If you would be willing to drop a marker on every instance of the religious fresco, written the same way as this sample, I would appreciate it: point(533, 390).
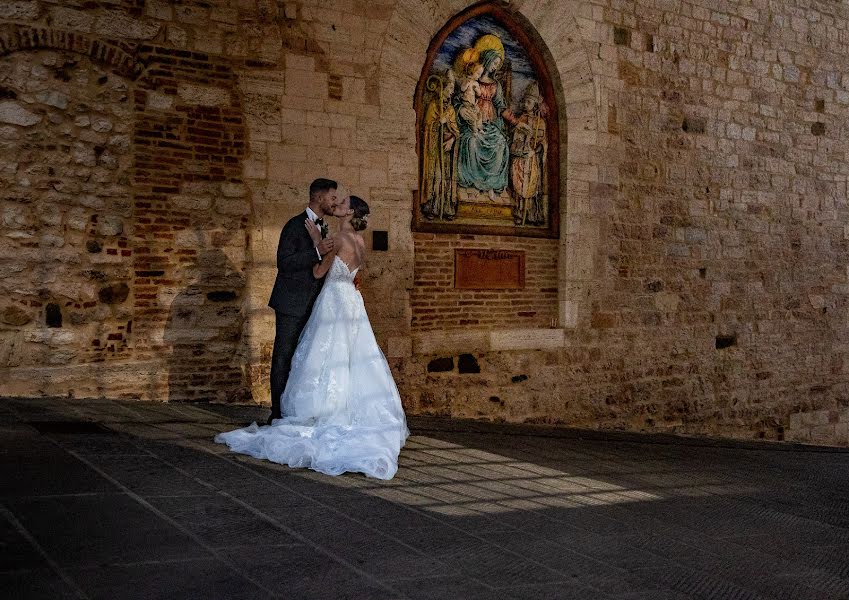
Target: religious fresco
point(487, 132)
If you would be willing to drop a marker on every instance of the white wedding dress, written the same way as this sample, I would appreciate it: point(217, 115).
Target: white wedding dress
point(342, 411)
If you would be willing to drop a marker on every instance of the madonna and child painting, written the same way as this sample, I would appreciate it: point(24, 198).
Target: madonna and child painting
point(487, 133)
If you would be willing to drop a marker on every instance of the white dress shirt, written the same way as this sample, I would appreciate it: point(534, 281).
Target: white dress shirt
point(313, 217)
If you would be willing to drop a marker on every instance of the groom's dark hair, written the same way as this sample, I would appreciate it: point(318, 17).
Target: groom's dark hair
point(321, 185)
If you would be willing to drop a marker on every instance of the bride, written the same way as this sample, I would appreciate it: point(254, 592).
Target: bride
point(341, 408)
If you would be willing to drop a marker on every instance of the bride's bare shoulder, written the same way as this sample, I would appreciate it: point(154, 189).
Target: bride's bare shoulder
point(345, 237)
point(354, 240)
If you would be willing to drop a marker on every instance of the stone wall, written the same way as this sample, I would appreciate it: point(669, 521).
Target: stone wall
point(153, 150)
point(67, 203)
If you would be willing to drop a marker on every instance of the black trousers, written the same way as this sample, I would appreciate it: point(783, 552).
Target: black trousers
point(287, 331)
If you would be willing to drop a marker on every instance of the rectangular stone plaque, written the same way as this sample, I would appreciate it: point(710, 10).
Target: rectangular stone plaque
point(489, 269)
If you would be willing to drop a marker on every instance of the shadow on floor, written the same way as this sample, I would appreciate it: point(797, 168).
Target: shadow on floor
point(139, 503)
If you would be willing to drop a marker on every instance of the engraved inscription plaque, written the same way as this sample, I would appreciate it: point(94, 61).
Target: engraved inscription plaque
point(489, 269)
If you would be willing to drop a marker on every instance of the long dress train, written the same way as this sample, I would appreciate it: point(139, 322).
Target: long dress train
point(342, 410)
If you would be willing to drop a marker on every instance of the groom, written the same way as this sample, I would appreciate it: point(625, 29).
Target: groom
point(295, 288)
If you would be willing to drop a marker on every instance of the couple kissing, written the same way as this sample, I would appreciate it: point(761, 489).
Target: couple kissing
point(335, 407)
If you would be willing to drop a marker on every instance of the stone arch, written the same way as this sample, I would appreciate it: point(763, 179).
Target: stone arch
point(408, 36)
point(15, 38)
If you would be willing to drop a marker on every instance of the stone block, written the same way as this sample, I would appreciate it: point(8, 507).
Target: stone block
point(400, 236)
point(119, 25)
point(399, 307)
point(568, 314)
point(823, 434)
point(8, 132)
point(306, 84)
point(841, 435)
point(526, 339)
point(159, 101)
point(15, 114)
point(17, 217)
point(667, 301)
point(302, 136)
point(264, 245)
point(260, 285)
point(159, 9)
point(53, 98)
point(399, 347)
point(815, 418)
point(255, 167)
point(300, 62)
point(354, 89)
point(337, 121)
point(110, 226)
point(373, 177)
point(290, 171)
point(19, 10)
point(450, 341)
point(228, 206)
point(50, 336)
point(211, 42)
point(203, 95)
point(176, 36)
point(233, 190)
point(191, 203)
point(379, 218)
point(795, 421)
point(350, 175)
point(15, 316)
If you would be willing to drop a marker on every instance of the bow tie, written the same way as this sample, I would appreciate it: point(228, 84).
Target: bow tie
point(319, 222)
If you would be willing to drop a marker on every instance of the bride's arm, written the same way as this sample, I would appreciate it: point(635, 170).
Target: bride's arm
point(361, 245)
point(319, 270)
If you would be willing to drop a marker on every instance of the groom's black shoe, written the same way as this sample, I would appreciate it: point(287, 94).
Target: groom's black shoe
point(271, 417)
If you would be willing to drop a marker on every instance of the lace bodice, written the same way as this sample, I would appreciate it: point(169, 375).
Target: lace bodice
point(339, 271)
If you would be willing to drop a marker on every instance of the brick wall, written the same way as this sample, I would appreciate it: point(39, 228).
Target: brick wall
point(190, 206)
point(437, 305)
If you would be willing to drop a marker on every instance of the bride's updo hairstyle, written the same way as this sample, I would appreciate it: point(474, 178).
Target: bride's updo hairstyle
point(361, 211)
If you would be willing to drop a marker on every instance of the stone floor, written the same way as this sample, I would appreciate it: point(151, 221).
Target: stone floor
point(103, 499)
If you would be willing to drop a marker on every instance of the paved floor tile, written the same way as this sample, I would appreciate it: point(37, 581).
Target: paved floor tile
point(97, 530)
point(455, 586)
point(16, 551)
point(301, 572)
point(36, 467)
point(37, 584)
point(148, 476)
point(220, 522)
point(118, 500)
point(206, 579)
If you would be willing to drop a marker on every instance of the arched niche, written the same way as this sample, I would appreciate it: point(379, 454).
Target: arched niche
point(487, 129)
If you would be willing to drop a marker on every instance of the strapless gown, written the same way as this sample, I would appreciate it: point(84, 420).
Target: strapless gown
point(341, 407)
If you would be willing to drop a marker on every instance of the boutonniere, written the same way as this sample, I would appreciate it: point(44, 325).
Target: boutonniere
point(324, 229)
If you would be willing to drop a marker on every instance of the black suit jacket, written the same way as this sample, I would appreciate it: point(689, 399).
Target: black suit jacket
point(295, 288)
